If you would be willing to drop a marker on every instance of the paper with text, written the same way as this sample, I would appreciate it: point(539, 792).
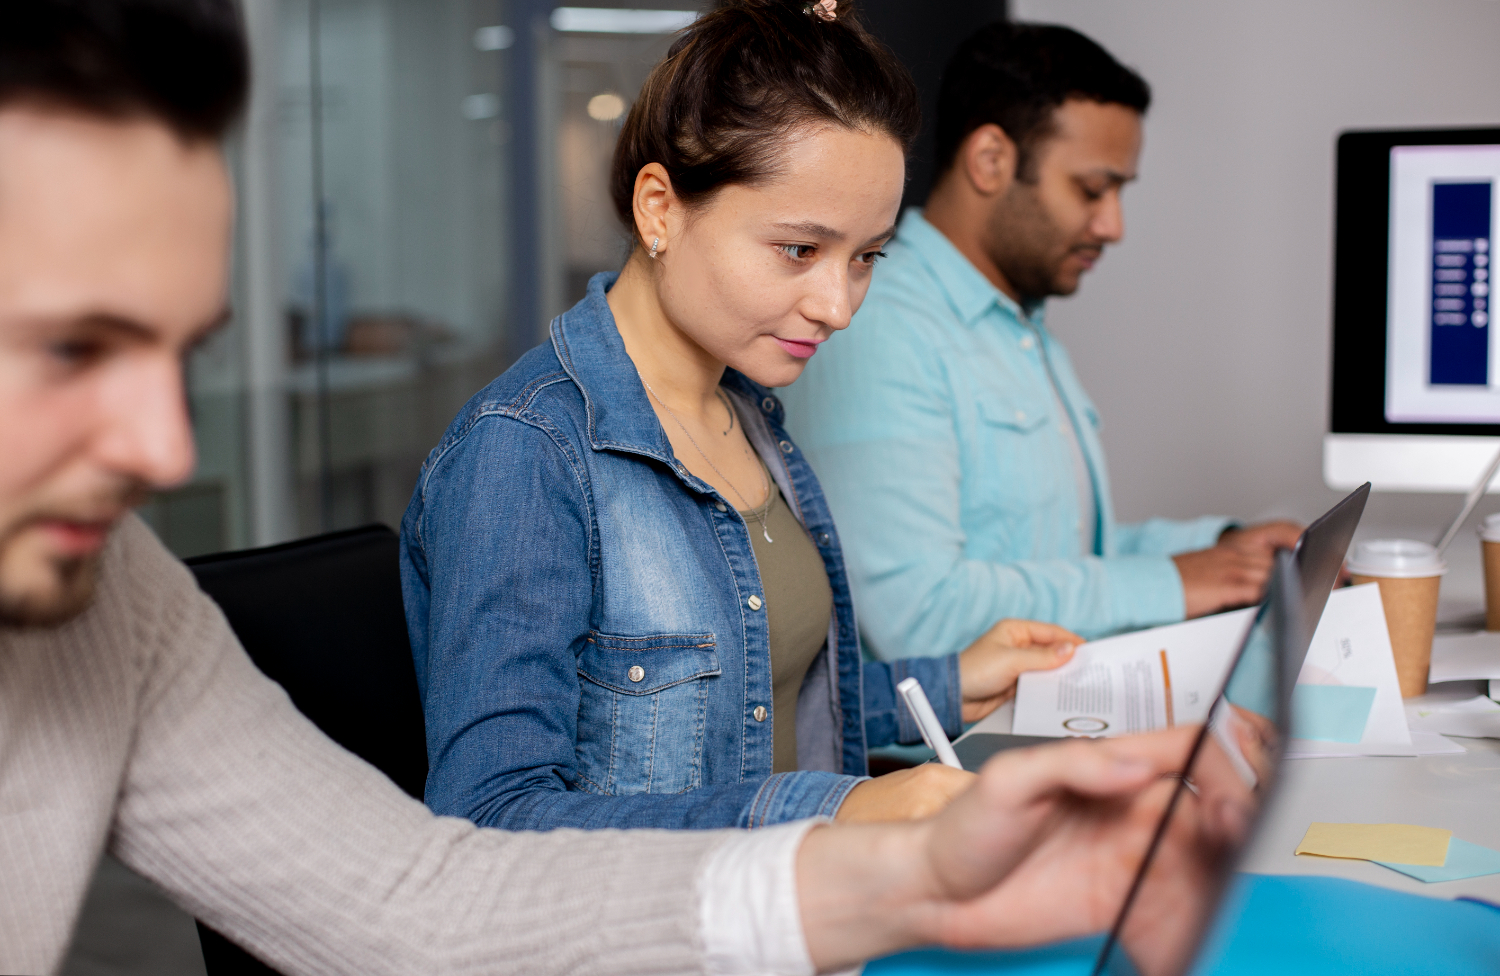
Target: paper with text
point(1151, 679)
point(1165, 676)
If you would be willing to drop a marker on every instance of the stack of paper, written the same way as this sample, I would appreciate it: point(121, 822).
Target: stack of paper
point(1473, 718)
point(1347, 701)
point(1465, 657)
point(1465, 860)
point(1428, 854)
point(1397, 843)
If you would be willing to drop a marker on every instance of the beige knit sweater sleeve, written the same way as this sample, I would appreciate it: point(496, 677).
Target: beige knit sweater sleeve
point(268, 831)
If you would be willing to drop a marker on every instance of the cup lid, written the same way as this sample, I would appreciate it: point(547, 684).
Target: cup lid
point(1489, 529)
point(1397, 559)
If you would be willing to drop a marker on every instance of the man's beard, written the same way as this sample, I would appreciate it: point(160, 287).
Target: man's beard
point(43, 589)
point(1027, 246)
point(69, 595)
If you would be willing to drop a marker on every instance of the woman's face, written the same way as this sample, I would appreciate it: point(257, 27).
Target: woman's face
point(762, 274)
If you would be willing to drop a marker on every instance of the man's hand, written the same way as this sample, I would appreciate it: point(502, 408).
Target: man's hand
point(989, 667)
point(1265, 538)
point(1043, 847)
point(1234, 572)
point(907, 794)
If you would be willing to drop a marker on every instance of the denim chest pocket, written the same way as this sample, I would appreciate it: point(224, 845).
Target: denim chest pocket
point(641, 711)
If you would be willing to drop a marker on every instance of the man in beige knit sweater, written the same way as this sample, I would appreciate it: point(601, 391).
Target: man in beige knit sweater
point(131, 720)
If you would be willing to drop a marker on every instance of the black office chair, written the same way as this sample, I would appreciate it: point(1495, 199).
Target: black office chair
point(323, 618)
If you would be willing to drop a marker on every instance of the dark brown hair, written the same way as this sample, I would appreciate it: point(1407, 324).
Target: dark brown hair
point(1015, 75)
point(184, 62)
point(719, 107)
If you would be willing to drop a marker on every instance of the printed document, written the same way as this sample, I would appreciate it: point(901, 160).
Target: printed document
point(1151, 679)
point(1349, 702)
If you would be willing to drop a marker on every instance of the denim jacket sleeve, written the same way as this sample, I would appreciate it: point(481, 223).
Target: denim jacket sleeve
point(497, 581)
point(887, 720)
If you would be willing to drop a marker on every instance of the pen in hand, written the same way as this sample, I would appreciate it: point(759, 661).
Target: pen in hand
point(927, 722)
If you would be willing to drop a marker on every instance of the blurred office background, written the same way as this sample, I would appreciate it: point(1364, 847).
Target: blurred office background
point(422, 188)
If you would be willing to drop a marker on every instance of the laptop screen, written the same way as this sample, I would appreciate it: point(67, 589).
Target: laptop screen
point(1217, 801)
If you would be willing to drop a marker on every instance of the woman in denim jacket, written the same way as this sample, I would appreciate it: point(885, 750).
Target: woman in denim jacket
point(595, 556)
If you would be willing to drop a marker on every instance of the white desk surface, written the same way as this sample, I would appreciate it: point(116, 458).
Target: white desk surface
point(1458, 792)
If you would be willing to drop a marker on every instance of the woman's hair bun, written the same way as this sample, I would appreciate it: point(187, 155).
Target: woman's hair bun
point(739, 80)
point(809, 8)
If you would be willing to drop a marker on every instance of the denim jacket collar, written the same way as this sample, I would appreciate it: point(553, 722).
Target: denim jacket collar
point(589, 346)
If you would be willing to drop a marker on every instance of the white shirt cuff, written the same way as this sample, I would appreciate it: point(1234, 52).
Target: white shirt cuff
point(751, 921)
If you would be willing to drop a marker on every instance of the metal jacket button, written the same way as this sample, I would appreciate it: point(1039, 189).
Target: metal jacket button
point(721, 506)
point(759, 713)
point(754, 602)
point(768, 404)
point(824, 538)
point(636, 672)
point(786, 447)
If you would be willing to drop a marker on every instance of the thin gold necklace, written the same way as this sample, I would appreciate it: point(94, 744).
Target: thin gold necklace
point(759, 516)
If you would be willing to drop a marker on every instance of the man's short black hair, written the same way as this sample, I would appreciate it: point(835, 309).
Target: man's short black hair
point(183, 62)
point(1015, 75)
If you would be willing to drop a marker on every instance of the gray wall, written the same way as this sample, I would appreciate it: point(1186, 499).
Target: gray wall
point(1204, 336)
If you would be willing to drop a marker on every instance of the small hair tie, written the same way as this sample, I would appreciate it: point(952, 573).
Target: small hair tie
point(824, 10)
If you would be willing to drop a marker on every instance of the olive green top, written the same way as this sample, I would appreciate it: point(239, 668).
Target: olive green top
point(799, 603)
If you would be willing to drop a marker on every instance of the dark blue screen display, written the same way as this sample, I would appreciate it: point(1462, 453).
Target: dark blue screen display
point(1460, 284)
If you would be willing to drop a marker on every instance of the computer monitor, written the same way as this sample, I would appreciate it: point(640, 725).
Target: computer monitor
point(1416, 352)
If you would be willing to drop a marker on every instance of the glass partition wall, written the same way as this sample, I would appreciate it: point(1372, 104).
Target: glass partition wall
point(422, 186)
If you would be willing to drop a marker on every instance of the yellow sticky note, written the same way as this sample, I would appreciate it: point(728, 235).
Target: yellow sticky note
point(1397, 843)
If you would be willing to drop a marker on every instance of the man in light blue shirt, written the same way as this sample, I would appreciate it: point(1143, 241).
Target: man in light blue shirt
point(959, 453)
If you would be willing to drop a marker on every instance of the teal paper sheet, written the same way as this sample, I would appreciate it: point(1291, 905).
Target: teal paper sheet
point(1465, 860)
point(1289, 926)
point(1331, 713)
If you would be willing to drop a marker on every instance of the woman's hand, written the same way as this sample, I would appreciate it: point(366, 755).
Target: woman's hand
point(907, 794)
point(989, 667)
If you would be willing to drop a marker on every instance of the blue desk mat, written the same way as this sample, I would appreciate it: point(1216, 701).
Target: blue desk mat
point(1288, 926)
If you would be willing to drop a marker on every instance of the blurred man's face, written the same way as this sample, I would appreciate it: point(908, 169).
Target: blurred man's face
point(113, 245)
point(1043, 234)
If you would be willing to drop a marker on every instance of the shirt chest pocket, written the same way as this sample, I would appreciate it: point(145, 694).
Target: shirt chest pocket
point(1020, 459)
point(641, 710)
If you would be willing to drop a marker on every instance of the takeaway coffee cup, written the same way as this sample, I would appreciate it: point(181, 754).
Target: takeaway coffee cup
point(1408, 574)
point(1489, 542)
